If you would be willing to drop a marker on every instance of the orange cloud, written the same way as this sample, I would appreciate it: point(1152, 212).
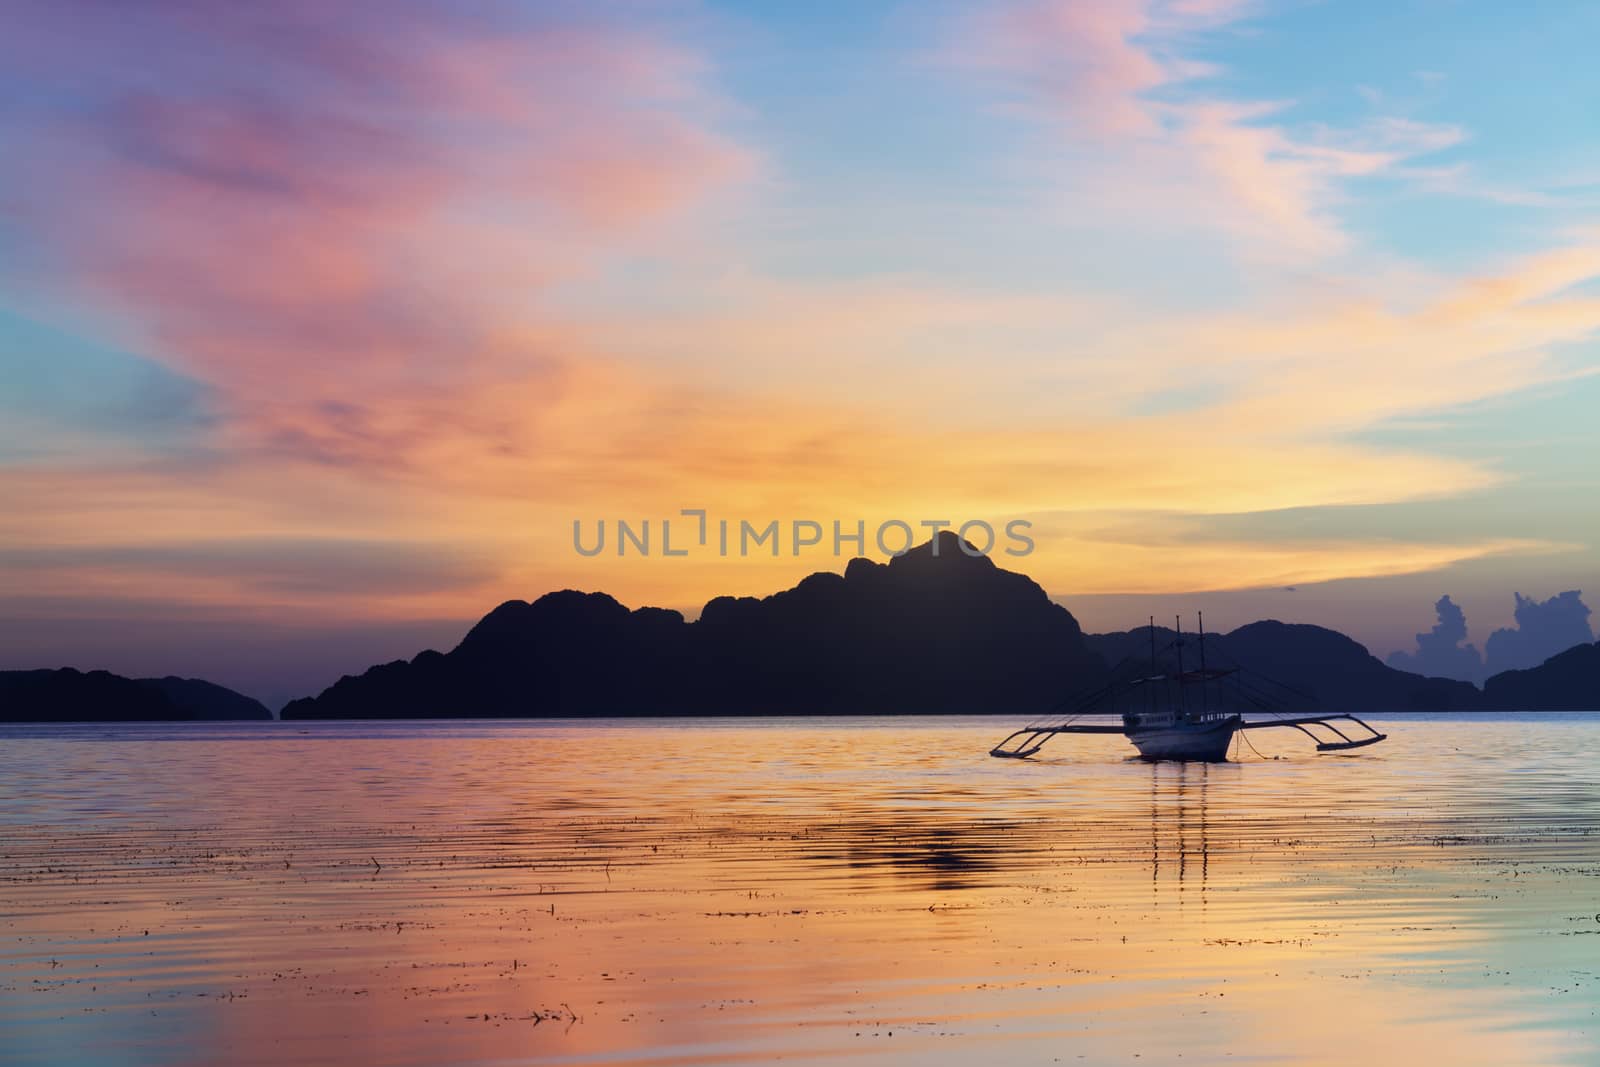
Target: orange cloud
point(504, 463)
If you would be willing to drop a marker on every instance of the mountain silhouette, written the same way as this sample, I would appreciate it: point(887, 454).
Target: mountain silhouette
point(1315, 668)
point(1567, 681)
point(932, 631)
point(1340, 673)
point(68, 695)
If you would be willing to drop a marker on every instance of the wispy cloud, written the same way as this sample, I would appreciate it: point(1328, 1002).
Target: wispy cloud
point(1159, 144)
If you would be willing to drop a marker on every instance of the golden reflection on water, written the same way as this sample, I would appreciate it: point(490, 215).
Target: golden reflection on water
point(713, 892)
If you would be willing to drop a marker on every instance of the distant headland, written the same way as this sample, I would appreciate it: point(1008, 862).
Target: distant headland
point(67, 695)
point(932, 631)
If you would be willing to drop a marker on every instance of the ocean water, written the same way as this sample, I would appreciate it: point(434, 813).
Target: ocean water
point(809, 890)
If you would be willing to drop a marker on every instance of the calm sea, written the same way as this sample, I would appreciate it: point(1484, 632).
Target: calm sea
point(810, 890)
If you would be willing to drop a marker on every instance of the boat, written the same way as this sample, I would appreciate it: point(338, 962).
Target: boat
point(1189, 715)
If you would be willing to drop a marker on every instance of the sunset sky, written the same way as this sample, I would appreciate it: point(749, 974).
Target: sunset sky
point(320, 324)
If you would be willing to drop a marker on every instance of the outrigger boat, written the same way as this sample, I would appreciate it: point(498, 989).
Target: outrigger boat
point(1188, 714)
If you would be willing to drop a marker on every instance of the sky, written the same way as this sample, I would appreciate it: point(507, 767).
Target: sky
point(321, 325)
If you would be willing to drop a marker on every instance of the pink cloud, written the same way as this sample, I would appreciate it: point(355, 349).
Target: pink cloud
point(1082, 57)
point(1160, 147)
point(301, 202)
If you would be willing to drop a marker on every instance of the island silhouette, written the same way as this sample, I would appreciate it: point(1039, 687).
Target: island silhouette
point(933, 631)
point(937, 630)
point(1567, 681)
point(68, 695)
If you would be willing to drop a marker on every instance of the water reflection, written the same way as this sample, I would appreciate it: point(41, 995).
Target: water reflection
point(735, 893)
point(939, 858)
point(1178, 798)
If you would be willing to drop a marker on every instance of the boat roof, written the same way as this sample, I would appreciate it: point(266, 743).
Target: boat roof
point(1206, 674)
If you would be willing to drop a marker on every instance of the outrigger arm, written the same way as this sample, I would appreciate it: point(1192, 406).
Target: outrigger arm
point(1034, 738)
point(1325, 721)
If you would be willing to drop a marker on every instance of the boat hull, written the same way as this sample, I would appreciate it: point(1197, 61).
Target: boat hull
point(1205, 742)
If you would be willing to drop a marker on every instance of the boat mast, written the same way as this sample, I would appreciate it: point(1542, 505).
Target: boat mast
point(1152, 682)
point(1177, 642)
point(1202, 619)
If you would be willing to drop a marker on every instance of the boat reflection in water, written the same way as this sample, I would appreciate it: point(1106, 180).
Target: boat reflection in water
point(1179, 836)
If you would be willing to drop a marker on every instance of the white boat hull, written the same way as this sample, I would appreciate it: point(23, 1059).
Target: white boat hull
point(1204, 741)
